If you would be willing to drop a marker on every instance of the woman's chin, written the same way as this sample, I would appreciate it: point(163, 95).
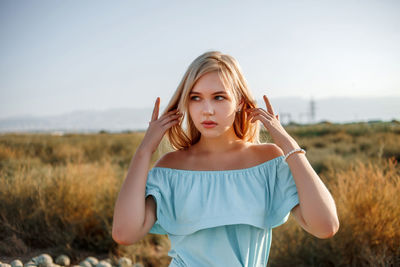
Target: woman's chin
point(209, 132)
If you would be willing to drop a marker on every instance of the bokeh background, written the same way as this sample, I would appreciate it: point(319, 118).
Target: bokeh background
point(79, 80)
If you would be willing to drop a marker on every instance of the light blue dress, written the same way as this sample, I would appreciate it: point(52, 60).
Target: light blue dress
point(222, 218)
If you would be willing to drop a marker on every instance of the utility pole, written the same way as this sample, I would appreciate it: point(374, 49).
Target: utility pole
point(312, 111)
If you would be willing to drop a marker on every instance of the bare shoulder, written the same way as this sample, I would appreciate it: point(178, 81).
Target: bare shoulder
point(267, 151)
point(169, 160)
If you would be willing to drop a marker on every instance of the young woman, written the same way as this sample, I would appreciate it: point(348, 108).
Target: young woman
point(220, 193)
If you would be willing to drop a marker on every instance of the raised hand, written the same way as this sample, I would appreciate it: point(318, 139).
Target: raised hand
point(270, 121)
point(158, 127)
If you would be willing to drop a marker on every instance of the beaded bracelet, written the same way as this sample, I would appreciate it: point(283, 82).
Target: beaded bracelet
point(293, 151)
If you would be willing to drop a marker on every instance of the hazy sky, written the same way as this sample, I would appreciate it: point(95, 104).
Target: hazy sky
point(59, 56)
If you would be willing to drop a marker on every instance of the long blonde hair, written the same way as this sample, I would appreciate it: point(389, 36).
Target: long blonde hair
point(232, 77)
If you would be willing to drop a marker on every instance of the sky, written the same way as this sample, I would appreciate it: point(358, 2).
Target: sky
point(61, 56)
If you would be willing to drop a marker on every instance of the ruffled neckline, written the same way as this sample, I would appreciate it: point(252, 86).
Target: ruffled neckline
point(219, 171)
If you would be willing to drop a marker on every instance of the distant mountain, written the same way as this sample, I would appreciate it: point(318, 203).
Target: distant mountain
point(335, 110)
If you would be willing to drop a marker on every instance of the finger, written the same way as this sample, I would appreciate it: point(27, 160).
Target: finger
point(260, 117)
point(166, 120)
point(269, 107)
point(172, 119)
point(255, 118)
point(260, 111)
point(155, 110)
point(171, 123)
point(169, 113)
point(264, 118)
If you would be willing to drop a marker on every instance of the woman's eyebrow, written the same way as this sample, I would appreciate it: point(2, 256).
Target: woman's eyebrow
point(216, 93)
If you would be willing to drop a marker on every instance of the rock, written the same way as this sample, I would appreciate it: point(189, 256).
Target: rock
point(85, 263)
point(63, 260)
point(108, 260)
point(92, 260)
point(43, 260)
point(16, 263)
point(124, 262)
point(103, 263)
point(138, 265)
point(30, 263)
point(5, 265)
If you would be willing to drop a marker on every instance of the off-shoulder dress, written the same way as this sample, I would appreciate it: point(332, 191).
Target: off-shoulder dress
point(222, 218)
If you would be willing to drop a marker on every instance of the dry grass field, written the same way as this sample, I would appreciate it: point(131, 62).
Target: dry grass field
point(57, 194)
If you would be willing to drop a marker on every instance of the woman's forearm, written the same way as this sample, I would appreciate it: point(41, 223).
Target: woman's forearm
point(129, 211)
point(317, 205)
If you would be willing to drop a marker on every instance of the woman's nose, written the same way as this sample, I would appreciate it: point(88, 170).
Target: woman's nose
point(208, 108)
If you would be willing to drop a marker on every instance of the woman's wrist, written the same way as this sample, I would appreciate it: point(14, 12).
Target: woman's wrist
point(142, 150)
point(289, 145)
point(297, 150)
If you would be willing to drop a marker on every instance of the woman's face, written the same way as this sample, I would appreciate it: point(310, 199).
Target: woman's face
point(209, 101)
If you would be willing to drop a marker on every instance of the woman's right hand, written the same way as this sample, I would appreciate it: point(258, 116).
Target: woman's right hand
point(158, 127)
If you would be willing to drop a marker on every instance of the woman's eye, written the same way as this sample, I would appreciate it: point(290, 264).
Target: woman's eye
point(193, 97)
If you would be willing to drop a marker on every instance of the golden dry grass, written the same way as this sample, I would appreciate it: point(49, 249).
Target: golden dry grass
point(59, 192)
point(67, 203)
point(367, 199)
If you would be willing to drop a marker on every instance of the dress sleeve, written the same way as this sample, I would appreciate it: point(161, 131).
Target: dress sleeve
point(152, 188)
point(283, 195)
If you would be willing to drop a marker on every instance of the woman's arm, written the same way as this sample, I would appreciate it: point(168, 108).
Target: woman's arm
point(131, 221)
point(129, 211)
point(316, 212)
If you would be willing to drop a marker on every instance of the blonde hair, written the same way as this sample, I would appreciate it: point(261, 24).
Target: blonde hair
point(231, 75)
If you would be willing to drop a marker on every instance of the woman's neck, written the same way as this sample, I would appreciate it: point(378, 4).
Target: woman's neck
point(211, 146)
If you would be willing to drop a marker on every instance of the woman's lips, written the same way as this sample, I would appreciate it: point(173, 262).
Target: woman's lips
point(209, 125)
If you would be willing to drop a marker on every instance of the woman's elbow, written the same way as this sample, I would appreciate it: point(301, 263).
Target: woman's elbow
point(330, 230)
point(121, 238)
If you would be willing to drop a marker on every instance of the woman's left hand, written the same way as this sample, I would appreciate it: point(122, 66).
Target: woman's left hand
point(271, 122)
